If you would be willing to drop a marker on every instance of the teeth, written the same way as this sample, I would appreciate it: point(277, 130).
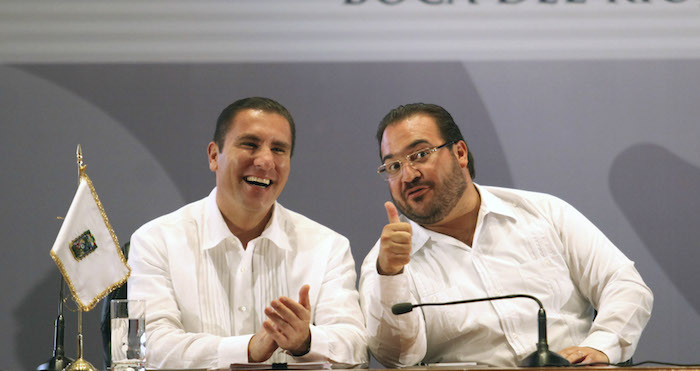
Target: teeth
point(258, 180)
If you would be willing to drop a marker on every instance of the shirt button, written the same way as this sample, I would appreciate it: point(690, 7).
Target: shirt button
point(243, 269)
point(242, 308)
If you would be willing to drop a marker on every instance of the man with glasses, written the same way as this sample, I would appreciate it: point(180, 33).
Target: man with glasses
point(236, 277)
point(459, 240)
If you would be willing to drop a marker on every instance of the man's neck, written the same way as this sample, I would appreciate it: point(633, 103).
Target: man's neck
point(246, 226)
point(461, 222)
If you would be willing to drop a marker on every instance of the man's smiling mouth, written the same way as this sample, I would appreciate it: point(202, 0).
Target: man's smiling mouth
point(260, 182)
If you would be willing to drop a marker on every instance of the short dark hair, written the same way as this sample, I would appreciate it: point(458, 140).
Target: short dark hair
point(446, 124)
point(223, 123)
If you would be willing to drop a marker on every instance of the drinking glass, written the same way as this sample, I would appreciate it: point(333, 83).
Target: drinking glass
point(128, 326)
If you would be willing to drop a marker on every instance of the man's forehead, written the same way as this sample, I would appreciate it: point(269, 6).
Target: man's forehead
point(258, 123)
point(415, 131)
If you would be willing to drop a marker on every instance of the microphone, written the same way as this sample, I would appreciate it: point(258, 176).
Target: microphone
point(59, 361)
point(542, 357)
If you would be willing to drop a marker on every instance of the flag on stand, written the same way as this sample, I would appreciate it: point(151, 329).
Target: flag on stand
point(87, 251)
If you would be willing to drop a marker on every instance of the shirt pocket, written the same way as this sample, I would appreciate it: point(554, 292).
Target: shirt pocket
point(546, 279)
point(446, 323)
point(443, 322)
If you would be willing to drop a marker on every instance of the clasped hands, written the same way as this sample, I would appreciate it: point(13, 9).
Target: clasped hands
point(286, 327)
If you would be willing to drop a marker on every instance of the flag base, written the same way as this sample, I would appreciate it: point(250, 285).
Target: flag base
point(81, 365)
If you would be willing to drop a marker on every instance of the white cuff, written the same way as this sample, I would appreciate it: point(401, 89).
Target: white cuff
point(605, 342)
point(233, 349)
point(318, 351)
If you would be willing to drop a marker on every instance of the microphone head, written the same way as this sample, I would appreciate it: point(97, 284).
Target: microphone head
point(401, 308)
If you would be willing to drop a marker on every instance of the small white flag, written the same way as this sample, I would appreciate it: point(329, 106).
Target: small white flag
point(87, 251)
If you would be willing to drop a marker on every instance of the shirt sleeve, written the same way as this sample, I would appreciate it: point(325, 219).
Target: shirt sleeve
point(610, 282)
point(169, 345)
point(395, 340)
point(337, 329)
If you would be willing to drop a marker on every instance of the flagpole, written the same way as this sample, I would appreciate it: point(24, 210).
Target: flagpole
point(80, 364)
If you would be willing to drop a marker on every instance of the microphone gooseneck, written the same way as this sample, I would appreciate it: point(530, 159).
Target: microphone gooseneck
point(542, 357)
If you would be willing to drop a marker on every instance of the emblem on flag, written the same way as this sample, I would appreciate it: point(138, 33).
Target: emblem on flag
point(83, 245)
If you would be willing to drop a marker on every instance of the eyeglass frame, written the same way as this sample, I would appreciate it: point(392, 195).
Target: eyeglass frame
point(381, 170)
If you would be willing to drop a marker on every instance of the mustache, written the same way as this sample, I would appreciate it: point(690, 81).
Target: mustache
point(417, 183)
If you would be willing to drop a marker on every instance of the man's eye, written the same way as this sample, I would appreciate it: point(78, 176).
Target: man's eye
point(249, 145)
point(419, 155)
point(279, 150)
point(393, 167)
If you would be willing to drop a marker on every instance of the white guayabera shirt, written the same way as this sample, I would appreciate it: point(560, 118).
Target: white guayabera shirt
point(206, 294)
point(524, 243)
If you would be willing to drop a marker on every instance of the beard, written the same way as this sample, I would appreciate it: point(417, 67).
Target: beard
point(446, 197)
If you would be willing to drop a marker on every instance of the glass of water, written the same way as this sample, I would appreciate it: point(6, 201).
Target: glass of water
point(128, 326)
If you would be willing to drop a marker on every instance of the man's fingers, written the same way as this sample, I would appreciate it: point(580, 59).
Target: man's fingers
point(273, 317)
point(400, 237)
point(273, 332)
point(575, 357)
point(391, 212)
point(398, 260)
point(304, 297)
point(287, 322)
point(395, 243)
point(584, 355)
point(295, 311)
point(283, 309)
point(572, 354)
point(279, 322)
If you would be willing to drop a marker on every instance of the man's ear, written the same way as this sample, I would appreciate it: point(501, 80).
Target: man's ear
point(213, 155)
point(462, 152)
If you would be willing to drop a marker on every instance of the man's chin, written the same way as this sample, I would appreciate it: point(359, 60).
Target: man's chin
point(413, 213)
point(417, 205)
point(260, 202)
point(420, 213)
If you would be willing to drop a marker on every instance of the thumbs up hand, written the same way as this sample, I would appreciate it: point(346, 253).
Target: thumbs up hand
point(394, 244)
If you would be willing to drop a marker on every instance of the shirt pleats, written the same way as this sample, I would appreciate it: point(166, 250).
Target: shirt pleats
point(270, 272)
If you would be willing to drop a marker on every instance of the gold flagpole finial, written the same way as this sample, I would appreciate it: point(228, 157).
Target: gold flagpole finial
point(81, 165)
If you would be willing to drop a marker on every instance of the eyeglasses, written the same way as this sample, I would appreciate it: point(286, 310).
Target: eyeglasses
point(391, 169)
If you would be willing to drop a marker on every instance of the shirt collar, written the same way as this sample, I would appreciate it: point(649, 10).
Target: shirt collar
point(419, 237)
point(275, 230)
point(215, 230)
point(213, 226)
point(489, 204)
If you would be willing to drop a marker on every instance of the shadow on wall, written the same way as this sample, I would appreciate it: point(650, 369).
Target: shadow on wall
point(668, 224)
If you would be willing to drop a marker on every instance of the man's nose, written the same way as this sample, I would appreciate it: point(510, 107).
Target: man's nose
point(264, 159)
point(408, 173)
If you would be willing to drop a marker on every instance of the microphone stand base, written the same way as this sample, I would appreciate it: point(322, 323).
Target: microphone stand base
point(55, 364)
point(544, 358)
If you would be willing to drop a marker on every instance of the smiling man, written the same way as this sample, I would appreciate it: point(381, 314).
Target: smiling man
point(219, 274)
point(459, 240)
